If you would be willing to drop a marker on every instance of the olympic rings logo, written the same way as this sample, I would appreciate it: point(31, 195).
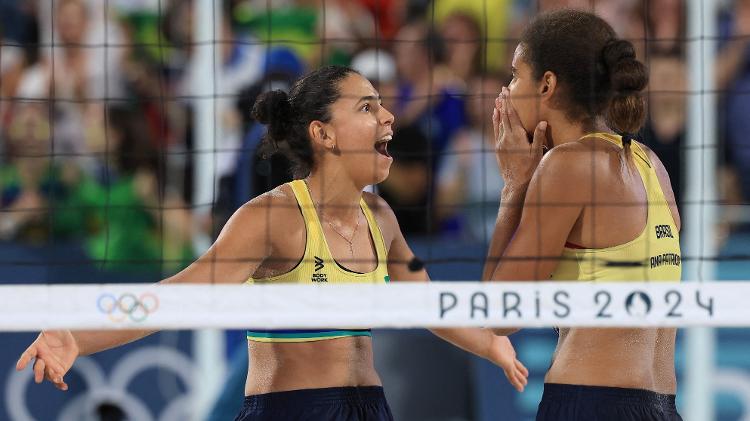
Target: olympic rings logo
point(127, 306)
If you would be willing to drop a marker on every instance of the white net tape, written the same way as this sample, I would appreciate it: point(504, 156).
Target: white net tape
point(399, 305)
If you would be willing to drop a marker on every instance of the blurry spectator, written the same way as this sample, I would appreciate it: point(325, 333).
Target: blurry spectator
point(26, 180)
point(130, 220)
point(125, 218)
point(242, 61)
point(153, 66)
point(733, 79)
point(344, 26)
point(77, 75)
point(665, 127)
point(463, 41)
point(654, 27)
point(14, 63)
point(407, 188)
point(627, 17)
point(492, 18)
point(469, 183)
point(428, 97)
point(658, 23)
point(667, 25)
point(19, 34)
point(146, 219)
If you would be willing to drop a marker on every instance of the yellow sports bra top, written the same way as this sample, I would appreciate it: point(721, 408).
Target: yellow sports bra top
point(654, 255)
point(318, 266)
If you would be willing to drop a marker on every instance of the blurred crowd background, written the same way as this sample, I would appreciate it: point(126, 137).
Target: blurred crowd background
point(98, 109)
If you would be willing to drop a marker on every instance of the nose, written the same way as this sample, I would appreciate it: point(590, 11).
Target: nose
point(386, 118)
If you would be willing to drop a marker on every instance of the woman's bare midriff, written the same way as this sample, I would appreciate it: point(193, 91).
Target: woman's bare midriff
point(277, 367)
point(630, 358)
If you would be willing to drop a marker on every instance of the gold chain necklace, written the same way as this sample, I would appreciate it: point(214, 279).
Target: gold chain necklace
point(349, 241)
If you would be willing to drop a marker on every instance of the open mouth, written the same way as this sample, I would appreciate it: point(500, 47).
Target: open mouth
point(382, 145)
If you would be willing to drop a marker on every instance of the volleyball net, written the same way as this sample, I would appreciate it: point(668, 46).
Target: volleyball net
point(128, 131)
point(127, 142)
point(135, 160)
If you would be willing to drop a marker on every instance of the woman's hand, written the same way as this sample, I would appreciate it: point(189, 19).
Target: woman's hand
point(503, 355)
point(517, 157)
point(54, 352)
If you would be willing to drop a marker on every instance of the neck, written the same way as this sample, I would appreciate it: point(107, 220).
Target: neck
point(335, 195)
point(561, 130)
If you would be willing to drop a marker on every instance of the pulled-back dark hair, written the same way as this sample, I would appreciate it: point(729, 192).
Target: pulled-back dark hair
point(288, 116)
point(598, 73)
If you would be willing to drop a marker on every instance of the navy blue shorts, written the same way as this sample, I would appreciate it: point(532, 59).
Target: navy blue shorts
point(365, 403)
point(562, 402)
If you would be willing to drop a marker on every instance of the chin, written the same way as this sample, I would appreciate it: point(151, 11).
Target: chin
point(378, 176)
point(382, 176)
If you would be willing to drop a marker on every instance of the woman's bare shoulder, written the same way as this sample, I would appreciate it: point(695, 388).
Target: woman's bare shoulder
point(277, 207)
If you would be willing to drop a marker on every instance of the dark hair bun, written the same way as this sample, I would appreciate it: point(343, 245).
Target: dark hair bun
point(627, 77)
point(627, 74)
point(273, 108)
point(288, 116)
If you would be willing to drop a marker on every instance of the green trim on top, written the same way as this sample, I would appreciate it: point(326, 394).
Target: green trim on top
point(308, 335)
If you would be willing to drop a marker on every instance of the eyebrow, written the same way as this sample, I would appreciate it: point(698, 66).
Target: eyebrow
point(369, 98)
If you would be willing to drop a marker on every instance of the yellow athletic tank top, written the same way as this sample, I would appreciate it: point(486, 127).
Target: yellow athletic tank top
point(652, 256)
point(318, 266)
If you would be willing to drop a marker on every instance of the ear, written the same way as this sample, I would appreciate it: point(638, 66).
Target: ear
point(547, 86)
point(321, 135)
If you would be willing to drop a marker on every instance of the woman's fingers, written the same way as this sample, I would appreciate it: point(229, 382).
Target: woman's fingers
point(27, 356)
point(504, 114)
point(511, 378)
point(518, 381)
point(515, 121)
point(39, 366)
point(57, 380)
point(524, 381)
point(516, 376)
point(496, 122)
point(54, 362)
point(522, 368)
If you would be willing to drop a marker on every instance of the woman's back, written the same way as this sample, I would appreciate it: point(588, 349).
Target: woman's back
point(630, 222)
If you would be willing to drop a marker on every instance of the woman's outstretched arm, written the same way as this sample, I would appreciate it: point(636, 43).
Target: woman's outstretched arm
point(238, 251)
point(403, 266)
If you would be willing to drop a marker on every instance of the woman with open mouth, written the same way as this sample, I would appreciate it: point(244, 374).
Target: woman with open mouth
point(319, 228)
